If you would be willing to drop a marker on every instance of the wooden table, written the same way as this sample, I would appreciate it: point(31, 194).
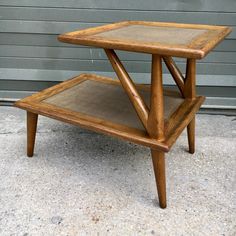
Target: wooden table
point(149, 115)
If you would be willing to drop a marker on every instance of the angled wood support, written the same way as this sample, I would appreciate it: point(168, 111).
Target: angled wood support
point(190, 93)
point(175, 72)
point(128, 85)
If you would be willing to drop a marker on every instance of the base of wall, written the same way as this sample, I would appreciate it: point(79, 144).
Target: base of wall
point(212, 105)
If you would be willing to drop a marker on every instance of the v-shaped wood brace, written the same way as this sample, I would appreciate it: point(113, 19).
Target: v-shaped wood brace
point(185, 84)
point(153, 119)
point(129, 87)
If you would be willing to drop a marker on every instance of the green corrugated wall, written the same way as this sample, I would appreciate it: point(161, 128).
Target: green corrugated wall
point(31, 58)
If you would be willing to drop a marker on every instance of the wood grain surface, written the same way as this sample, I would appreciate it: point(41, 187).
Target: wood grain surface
point(36, 104)
point(173, 39)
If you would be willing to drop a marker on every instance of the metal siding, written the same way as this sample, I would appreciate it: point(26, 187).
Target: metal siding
point(31, 58)
point(169, 5)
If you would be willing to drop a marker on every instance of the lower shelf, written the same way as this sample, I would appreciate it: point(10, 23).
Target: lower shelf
point(100, 104)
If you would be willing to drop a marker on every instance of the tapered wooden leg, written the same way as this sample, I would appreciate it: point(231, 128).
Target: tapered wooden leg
point(191, 136)
point(155, 127)
point(190, 93)
point(32, 120)
point(158, 159)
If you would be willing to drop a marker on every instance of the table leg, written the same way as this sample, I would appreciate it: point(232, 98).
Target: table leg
point(158, 160)
point(190, 93)
point(32, 120)
point(191, 136)
point(156, 127)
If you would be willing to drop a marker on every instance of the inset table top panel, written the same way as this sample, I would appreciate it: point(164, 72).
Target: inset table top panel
point(153, 34)
point(183, 40)
point(107, 101)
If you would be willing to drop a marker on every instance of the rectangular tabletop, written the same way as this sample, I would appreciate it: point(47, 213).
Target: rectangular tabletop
point(182, 40)
point(100, 104)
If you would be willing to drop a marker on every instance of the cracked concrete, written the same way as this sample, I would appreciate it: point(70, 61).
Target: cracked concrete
point(83, 183)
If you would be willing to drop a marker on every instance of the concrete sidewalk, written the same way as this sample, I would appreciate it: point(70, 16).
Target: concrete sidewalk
point(83, 183)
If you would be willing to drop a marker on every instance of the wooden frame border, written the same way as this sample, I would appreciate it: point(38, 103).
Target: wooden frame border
point(197, 48)
point(35, 105)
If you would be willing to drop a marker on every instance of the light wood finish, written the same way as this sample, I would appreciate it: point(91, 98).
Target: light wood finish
point(158, 160)
point(190, 93)
point(176, 73)
point(37, 103)
point(77, 101)
point(190, 81)
point(155, 126)
point(32, 120)
point(181, 118)
point(128, 85)
point(156, 116)
point(191, 135)
point(187, 88)
point(169, 39)
point(97, 99)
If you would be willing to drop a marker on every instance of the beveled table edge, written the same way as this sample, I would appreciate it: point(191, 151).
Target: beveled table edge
point(85, 37)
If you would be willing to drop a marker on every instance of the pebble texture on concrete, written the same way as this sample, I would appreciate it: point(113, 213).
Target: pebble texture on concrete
point(83, 183)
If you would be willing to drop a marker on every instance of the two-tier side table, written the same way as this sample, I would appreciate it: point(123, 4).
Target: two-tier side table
point(144, 114)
